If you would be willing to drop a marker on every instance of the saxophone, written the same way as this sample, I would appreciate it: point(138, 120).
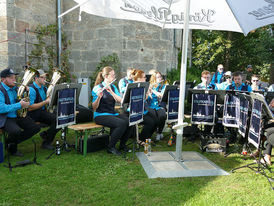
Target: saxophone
point(21, 93)
point(56, 76)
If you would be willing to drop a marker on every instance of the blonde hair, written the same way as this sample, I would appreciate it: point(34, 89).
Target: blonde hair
point(153, 81)
point(152, 71)
point(102, 74)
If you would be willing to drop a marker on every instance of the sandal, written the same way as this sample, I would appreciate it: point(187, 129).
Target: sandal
point(141, 143)
point(255, 154)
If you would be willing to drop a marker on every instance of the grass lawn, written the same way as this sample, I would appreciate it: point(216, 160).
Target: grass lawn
point(104, 179)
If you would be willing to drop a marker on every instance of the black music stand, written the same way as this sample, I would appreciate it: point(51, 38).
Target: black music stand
point(126, 100)
point(54, 102)
point(258, 166)
point(24, 162)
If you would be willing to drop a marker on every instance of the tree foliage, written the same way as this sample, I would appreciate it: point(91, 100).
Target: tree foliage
point(234, 50)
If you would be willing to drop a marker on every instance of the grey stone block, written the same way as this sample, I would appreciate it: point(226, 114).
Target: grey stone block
point(129, 56)
point(129, 31)
point(80, 66)
point(78, 45)
point(89, 56)
point(146, 56)
point(116, 44)
point(97, 44)
point(160, 55)
point(75, 54)
point(88, 35)
point(107, 33)
point(156, 44)
point(133, 44)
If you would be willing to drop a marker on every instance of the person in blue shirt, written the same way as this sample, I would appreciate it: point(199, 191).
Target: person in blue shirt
point(18, 128)
point(205, 84)
point(237, 83)
point(157, 87)
point(37, 109)
point(217, 78)
point(255, 83)
point(126, 80)
point(149, 118)
point(104, 96)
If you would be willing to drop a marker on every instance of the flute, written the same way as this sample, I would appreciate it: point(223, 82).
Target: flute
point(107, 85)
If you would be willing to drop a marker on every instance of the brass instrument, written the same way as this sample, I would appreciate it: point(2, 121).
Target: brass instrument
point(56, 76)
point(21, 93)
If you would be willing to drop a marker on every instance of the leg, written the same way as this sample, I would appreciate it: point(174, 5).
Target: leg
point(149, 126)
point(29, 128)
point(49, 119)
point(13, 131)
point(161, 115)
point(117, 125)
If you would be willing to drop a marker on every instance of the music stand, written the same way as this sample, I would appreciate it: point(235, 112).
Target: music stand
point(126, 99)
point(72, 117)
point(266, 115)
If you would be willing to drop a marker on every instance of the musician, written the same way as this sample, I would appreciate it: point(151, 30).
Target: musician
point(237, 83)
point(217, 78)
point(126, 80)
point(18, 128)
point(205, 84)
point(255, 83)
point(105, 94)
point(149, 118)
point(157, 87)
point(227, 82)
point(37, 109)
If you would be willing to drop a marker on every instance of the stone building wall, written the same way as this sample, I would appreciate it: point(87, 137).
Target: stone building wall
point(15, 17)
point(137, 44)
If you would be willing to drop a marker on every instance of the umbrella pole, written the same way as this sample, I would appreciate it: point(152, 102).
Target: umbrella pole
point(181, 124)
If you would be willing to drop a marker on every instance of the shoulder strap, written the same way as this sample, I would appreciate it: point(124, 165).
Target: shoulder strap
point(4, 91)
point(216, 74)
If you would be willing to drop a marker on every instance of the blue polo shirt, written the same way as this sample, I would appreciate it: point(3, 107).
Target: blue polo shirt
point(32, 94)
point(11, 108)
point(153, 102)
point(219, 78)
point(122, 84)
point(94, 97)
point(240, 88)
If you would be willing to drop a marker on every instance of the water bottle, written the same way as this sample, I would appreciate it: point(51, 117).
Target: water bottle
point(149, 147)
point(58, 149)
point(170, 141)
point(146, 147)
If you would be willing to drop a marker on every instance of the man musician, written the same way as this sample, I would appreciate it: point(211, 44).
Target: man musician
point(37, 109)
point(18, 128)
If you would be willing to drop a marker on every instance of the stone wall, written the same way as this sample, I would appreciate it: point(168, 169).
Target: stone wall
point(15, 17)
point(137, 44)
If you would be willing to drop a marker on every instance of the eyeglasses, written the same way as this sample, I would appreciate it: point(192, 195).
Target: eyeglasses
point(228, 77)
point(255, 80)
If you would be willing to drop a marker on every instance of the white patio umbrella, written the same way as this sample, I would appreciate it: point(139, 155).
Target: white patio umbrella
point(227, 15)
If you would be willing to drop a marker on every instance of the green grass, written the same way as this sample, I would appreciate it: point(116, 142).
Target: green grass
point(103, 179)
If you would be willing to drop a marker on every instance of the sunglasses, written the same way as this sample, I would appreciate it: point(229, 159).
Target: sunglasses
point(255, 80)
point(228, 77)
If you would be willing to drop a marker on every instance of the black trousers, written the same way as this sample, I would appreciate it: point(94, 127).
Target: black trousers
point(160, 115)
point(269, 131)
point(50, 120)
point(119, 128)
point(149, 125)
point(19, 130)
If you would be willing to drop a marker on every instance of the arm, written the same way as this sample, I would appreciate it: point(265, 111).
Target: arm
point(96, 97)
point(115, 93)
point(34, 106)
point(6, 108)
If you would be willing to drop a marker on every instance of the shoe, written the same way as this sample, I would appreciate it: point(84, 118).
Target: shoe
point(161, 136)
point(47, 146)
point(158, 137)
point(113, 150)
point(17, 154)
point(255, 154)
point(124, 148)
point(141, 143)
point(43, 135)
point(266, 160)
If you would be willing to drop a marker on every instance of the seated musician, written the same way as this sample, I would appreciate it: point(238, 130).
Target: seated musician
point(105, 94)
point(237, 83)
point(205, 84)
point(18, 128)
point(126, 80)
point(255, 83)
point(227, 82)
point(157, 87)
point(37, 109)
point(149, 118)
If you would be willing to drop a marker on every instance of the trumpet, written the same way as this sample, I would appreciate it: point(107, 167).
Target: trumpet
point(21, 93)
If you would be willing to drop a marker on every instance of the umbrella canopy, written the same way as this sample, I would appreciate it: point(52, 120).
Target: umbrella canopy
point(227, 15)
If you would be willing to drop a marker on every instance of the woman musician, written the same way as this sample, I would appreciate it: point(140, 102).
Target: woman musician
point(105, 94)
point(156, 88)
point(149, 124)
